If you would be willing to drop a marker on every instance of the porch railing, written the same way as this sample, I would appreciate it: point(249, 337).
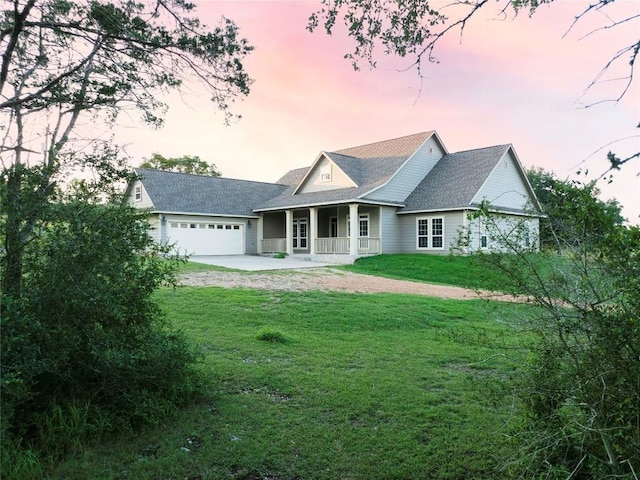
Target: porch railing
point(332, 245)
point(274, 245)
point(368, 245)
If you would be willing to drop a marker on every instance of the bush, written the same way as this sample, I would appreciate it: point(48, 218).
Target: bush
point(85, 348)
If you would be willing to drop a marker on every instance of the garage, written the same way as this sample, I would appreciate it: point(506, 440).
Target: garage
point(207, 238)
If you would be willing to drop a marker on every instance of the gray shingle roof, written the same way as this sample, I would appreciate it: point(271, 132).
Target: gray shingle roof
point(181, 192)
point(455, 179)
point(293, 177)
point(368, 166)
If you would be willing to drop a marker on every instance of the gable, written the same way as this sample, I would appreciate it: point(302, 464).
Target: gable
point(507, 186)
point(324, 175)
point(137, 195)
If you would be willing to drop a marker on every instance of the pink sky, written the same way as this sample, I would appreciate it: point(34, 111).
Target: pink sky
point(514, 81)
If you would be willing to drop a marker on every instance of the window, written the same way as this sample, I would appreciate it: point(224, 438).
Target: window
point(364, 225)
point(236, 227)
point(138, 193)
point(430, 233)
point(219, 227)
point(227, 227)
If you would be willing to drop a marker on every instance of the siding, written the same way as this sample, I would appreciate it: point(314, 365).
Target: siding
point(145, 202)
point(390, 237)
point(314, 183)
point(505, 186)
point(453, 223)
point(398, 188)
point(505, 223)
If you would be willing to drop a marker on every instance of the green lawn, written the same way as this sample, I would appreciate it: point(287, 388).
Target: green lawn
point(463, 271)
point(331, 386)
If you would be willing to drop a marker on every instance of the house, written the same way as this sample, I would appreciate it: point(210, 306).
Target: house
point(406, 195)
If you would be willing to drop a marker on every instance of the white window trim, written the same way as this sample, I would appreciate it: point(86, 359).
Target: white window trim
point(364, 216)
point(430, 233)
point(137, 193)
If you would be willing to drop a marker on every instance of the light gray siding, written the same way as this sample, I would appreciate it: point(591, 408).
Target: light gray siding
point(494, 228)
point(505, 187)
point(411, 173)
point(453, 224)
point(144, 202)
point(390, 227)
point(315, 182)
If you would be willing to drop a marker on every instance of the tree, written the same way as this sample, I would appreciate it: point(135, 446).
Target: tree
point(414, 28)
point(81, 335)
point(581, 391)
point(184, 164)
point(562, 202)
point(63, 61)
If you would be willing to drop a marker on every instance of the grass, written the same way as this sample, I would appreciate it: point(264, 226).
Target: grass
point(362, 387)
point(462, 271)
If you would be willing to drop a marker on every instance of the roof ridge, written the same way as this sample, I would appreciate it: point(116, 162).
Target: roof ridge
point(506, 145)
point(381, 141)
point(219, 177)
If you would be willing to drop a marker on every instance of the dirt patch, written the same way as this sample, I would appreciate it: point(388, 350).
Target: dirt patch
point(331, 279)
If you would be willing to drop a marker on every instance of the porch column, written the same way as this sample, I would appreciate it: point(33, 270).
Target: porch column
point(313, 228)
point(259, 225)
point(288, 228)
point(353, 226)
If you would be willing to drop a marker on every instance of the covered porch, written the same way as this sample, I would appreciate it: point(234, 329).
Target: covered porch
point(352, 230)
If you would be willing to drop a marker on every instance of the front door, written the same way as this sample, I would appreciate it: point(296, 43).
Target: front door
point(300, 233)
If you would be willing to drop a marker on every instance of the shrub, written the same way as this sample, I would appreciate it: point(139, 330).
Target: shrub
point(271, 335)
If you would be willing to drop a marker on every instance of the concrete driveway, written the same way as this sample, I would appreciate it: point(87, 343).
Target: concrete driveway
point(255, 262)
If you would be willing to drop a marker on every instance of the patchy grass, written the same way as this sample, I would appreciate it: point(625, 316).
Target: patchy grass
point(365, 387)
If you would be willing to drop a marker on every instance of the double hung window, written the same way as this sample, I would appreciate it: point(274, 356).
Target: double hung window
point(430, 233)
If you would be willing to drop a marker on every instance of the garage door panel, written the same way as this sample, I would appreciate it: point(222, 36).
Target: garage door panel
point(207, 238)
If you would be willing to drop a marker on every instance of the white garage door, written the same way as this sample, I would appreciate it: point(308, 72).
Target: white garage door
point(207, 238)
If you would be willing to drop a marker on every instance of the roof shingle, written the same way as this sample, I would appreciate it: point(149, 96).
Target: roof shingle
point(182, 192)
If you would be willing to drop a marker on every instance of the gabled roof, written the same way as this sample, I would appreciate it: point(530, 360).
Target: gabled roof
point(199, 194)
point(369, 166)
point(455, 180)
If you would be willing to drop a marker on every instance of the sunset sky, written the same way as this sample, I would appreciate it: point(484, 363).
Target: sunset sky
point(507, 80)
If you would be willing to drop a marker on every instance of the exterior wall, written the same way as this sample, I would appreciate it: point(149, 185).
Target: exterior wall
point(315, 183)
point(453, 223)
point(144, 202)
point(411, 173)
point(390, 232)
point(479, 228)
point(505, 187)
point(273, 225)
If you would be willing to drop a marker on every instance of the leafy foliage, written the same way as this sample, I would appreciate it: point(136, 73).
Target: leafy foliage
point(89, 332)
point(184, 164)
point(413, 29)
point(572, 208)
point(582, 391)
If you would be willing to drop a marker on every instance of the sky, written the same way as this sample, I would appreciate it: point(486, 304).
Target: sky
point(516, 80)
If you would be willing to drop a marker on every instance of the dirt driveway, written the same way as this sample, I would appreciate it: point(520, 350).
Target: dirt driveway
point(331, 279)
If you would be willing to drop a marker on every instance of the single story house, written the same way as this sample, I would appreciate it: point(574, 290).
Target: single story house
point(405, 195)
